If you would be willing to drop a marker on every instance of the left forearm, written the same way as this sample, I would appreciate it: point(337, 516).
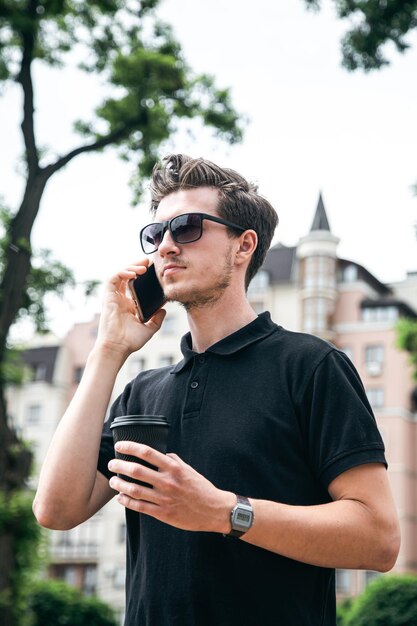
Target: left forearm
point(358, 529)
point(340, 534)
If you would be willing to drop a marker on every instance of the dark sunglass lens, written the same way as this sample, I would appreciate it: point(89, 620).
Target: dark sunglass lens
point(186, 228)
point(151, 237)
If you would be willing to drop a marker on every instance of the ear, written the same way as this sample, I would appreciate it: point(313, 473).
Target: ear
point(248, 242)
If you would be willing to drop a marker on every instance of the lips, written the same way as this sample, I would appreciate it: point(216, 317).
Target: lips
point(171, 268)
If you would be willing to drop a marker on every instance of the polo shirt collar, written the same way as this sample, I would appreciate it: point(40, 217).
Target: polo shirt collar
point(258, 329)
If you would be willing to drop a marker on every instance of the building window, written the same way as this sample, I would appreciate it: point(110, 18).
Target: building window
point(316, 314)
point(70, 575)
point(135, 366)
point(168, 325)
point(343, 580)
point(65, 538)
point(33, 414)
point(375, 397)
point(119, 577)
point(39, 372)
point(90, 580)
point(319, 272)
point(349, 274)
point(260, 282)
point(374, 359)
point(380, 314)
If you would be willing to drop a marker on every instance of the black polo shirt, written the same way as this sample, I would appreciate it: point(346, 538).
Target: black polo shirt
point(265, 413)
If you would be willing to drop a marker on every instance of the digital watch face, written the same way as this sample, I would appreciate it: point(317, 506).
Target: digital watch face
point(147, 293)
point(242, 519)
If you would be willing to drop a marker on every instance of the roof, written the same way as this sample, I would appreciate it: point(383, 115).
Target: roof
point(42, 356)
point(279, 263)
point(320, 221)
point(367, 277)
point(403, 307)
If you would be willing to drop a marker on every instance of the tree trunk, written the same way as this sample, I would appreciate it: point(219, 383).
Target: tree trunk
point(18, 255)
point(8, 565)
point(15, 458)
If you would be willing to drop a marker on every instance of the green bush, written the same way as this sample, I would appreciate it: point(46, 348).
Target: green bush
point(388, 601)
point(343, 609)
point(54, 603)
point(20, 538)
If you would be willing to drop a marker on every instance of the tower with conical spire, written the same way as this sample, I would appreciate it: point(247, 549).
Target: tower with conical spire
point(317, 254)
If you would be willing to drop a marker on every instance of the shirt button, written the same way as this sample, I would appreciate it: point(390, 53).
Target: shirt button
point(194, 384)
point(201, 359)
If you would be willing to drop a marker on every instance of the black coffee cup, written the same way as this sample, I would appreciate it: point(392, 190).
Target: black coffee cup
point(151, 430)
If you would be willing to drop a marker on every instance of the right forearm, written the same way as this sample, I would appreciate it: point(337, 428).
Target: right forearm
point(69, 472)
point(70, 488)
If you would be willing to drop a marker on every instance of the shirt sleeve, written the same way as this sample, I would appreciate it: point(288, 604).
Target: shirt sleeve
point(340, 426)
point(106, 453)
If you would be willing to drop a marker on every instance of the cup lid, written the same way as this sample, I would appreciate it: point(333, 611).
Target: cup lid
point(139, 420)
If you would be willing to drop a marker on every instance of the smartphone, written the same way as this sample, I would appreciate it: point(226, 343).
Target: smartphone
point(147, 293)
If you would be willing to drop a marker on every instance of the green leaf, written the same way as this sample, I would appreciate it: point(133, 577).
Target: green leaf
point(387, 601)
point(406, 331)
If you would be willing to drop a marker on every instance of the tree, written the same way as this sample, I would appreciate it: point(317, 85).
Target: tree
point(407, 340)
point(387, 601)
point(342, 610)
point(150, 88)
point(19, 525)
point(406, 331)
point(374, 24)
point(52, 602)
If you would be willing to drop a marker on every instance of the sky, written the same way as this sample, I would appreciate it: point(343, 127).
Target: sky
point(312, 127)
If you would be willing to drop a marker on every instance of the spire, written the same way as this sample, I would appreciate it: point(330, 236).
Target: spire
point(320, 221)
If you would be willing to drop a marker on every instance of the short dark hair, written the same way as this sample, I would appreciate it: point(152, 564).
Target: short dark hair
point(239, 200)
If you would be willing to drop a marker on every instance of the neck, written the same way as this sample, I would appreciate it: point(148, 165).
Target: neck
point(213, 322)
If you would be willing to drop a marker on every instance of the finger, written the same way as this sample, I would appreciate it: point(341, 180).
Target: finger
point(144, 452)
point(134, 490)
point(140, 506)
point(129, 272)
point(144, 262)
point(140, 267)
point(134, 470)
point(121, 277)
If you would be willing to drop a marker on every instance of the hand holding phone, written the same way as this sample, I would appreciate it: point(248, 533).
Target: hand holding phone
point(147, 293)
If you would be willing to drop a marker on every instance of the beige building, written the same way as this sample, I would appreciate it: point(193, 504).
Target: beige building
point(306, 287)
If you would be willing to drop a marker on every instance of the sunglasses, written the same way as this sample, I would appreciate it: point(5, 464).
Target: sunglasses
point(184, 228)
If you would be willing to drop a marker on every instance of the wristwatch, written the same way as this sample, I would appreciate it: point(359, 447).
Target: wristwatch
point(241, 517)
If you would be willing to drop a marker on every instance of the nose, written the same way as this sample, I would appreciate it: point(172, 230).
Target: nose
point(168, 245)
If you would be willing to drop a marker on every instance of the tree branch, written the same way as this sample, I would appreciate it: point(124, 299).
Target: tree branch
point(25, 79)
point(111, 138)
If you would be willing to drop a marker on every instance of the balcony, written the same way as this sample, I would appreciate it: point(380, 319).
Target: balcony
point(78, 544)
point(80, 551)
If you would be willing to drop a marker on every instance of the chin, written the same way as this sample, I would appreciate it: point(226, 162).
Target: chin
point(175, 294)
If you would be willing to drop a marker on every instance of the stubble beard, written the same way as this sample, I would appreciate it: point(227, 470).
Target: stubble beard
point(199, 299)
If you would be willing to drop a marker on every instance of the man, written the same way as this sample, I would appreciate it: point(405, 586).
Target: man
point(275, 472)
